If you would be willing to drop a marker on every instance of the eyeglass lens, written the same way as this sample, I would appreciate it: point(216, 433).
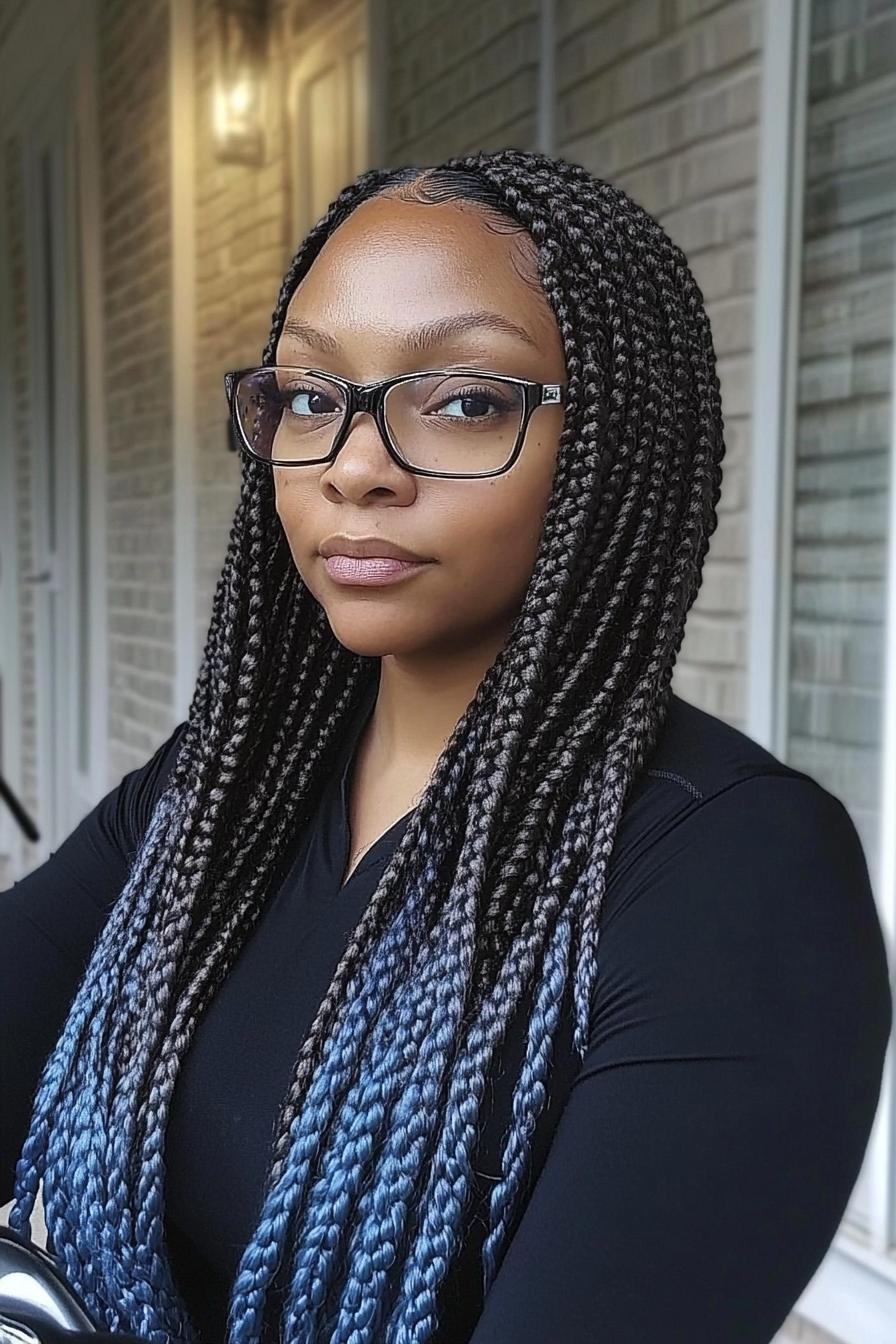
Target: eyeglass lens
point(450, 423)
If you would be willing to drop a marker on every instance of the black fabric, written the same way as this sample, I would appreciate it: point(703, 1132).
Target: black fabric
point(687, 1179)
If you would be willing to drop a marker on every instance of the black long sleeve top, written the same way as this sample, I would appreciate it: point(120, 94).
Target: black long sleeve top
point(687, 1178)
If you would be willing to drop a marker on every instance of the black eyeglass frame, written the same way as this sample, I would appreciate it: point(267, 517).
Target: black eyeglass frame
point(371, 397)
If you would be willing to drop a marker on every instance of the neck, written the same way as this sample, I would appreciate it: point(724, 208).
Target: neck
point(418, 704)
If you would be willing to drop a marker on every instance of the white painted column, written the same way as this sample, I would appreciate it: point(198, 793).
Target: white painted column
point(545, 112)
point(775, 326)
point(182, 140)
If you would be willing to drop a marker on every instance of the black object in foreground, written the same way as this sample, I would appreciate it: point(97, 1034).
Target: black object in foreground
point(22, 819)
point(37, 1304)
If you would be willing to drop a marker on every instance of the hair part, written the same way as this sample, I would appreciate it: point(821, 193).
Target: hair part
point(437, 185)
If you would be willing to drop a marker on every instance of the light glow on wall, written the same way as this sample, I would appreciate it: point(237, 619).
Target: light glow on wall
point(239, 85)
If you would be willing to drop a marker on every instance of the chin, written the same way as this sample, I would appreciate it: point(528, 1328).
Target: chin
point(375, 636)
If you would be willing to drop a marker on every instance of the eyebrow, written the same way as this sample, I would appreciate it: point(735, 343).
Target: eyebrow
point(417, 340)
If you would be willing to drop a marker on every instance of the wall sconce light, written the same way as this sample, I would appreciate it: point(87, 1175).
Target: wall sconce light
point(239, 80)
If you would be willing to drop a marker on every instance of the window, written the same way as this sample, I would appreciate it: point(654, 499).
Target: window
point(823, 682)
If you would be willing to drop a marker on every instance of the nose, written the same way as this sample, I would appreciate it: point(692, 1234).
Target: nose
point(351, 425)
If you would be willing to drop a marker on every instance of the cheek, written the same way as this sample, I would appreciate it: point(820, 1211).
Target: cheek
point(498, 537)
point(516, 513)
point(290, 498)
point(291, 503)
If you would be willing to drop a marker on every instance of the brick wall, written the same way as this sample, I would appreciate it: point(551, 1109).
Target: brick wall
point(662, 99)
point(461, 76)
point(242, 250)
point(136, 210)
point(9, 13)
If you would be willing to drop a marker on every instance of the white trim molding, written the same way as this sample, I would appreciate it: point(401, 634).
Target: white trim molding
point(778, 235)
point(882, 1146)
point(852, 1295)
point(546, 93)
point(182, 146)
point(92, 295)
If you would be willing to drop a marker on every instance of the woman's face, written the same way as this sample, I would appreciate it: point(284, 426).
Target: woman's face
point(394, 266)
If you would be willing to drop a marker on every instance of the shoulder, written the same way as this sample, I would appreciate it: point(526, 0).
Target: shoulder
point(125, 811)
point(703, 754)
point(64, 899)
point(738, 905)
point(705, 773)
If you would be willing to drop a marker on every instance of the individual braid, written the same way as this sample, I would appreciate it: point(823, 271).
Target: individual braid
point(492, 898)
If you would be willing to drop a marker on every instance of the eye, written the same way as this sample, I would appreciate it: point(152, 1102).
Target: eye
point(309, 401)
point(474, 404)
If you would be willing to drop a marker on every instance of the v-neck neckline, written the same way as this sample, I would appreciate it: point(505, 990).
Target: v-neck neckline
point(377, 852)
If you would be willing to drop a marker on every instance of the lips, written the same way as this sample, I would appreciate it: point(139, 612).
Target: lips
point(369, 548)
point(370, 571)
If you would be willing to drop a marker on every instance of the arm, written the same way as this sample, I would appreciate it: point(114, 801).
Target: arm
point(49, 921)
point(717, 1127)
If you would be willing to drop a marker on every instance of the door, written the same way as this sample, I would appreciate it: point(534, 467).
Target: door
point(328, 112)
point(58, 442)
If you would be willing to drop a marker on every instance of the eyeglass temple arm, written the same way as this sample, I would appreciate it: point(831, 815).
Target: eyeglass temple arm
point(230, 381)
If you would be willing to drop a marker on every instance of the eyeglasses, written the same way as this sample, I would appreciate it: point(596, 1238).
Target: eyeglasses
point(461, 422)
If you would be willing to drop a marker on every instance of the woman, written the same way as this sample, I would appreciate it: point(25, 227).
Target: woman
point(492, 991)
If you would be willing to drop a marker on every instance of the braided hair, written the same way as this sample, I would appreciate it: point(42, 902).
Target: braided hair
point(491, 900)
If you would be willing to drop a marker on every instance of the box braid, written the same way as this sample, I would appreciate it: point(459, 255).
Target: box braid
point(491, 900)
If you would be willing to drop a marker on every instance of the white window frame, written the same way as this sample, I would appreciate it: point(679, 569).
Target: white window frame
point(853, 1293)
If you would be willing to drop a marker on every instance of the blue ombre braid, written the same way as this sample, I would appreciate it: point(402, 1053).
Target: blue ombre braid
point(410, 1042)
point(336, 1071)
point(491, 900)
point(450, 1176)
point(422, 1028)
point(364, 1006)
point(98, 1267)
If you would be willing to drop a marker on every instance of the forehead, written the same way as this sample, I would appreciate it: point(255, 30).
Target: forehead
point(394, 264)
